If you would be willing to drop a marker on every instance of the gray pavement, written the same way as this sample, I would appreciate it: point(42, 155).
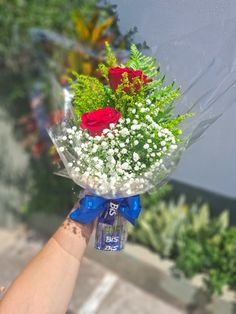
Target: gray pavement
point(97, 289)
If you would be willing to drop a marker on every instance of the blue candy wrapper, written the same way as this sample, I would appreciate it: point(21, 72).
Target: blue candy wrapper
point(111, 237)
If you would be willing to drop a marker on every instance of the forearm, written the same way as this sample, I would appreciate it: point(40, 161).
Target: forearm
point(47, 282)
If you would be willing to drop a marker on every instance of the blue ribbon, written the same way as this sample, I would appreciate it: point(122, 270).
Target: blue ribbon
point(92, 206)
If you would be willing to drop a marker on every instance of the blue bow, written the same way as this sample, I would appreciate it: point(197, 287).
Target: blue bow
point(92, 206)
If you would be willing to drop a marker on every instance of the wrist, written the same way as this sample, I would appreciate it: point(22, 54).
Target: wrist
point(73, 237)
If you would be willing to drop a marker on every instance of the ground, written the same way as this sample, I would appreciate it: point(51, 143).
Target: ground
point(97, 289)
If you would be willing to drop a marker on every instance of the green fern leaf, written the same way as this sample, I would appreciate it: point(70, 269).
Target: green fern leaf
point(140, 62)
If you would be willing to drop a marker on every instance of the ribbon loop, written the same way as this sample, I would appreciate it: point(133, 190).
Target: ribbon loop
point(92, 206)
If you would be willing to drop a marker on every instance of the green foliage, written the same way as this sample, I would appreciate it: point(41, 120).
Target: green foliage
point(169, 225)
point(110, 56)
point(49, 193)
point(191, 257)
point(103, 69)
point(138, 61)
point(110, 61)
point(162, 224)
point(187, 234)
point(125, 102)
point(18, 16)
point(163, 96)
point(85, 100)
point(210, 249)
point(21, 68)
point(24, 62)
point(152, 197)
point(131, 95)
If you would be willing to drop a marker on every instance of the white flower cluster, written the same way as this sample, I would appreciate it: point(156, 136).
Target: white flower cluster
point(123, 158)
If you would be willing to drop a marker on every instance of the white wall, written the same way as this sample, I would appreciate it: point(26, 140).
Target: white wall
point(204, 28)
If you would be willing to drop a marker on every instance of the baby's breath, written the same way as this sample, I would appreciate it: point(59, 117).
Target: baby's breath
point(130, 152)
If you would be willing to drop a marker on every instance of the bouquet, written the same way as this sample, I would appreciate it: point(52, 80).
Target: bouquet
point(119, 138)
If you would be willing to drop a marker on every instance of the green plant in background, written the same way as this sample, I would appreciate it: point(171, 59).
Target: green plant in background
point(151, 198)
point(187, 234)
point(20, 67)
point(223, 269)
point(160, 226)
point(46, 193)
point(23, 64)
point(146, 231)
point(92, 33)
point(81, 47)
point(198, 236)
point(19, 60)
point(210, 249)
point(18, 16)
point(163, 224)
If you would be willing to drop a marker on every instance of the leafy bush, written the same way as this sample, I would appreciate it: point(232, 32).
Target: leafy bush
point(187, 234)
point(162, 224)
point(18, 16)
point(23, 66)
point(210, 250)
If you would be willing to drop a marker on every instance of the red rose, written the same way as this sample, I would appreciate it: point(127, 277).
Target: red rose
point(115, 76)
point(98, 120)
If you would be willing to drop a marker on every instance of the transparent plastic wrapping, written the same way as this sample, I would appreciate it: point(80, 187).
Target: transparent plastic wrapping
point(109, 187)
point(203, 63)
point(208, 90)
point(206, 94)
